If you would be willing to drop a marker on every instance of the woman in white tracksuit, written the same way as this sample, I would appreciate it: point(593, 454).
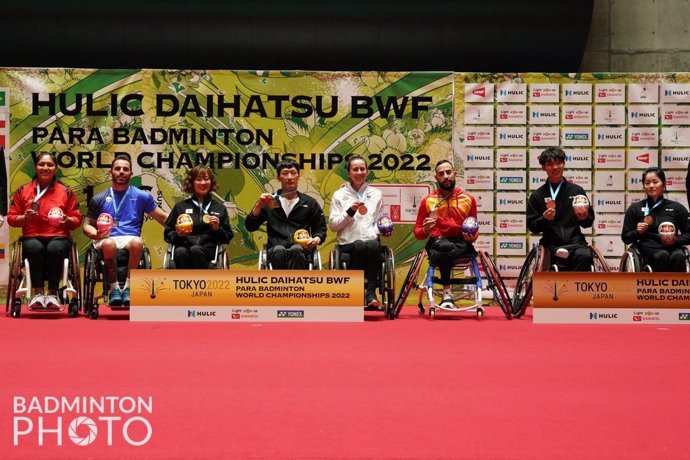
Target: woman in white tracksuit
point(355, 208)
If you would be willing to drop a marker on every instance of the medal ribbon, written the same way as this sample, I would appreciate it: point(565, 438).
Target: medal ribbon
point(39, 192)
point(646, 209)
point(554, 193)
point(116, 206)
point(203, 210)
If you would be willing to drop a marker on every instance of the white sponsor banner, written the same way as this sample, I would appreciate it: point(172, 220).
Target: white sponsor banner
point(675, 180)
point(578, 158)
point(611, 316)
point(675, 92)
point(486, 223)
point(511, 179)
point(577, 115)
point(485, 200)
point(674, 114)
point(634, 197)
point(608, 202)
point(641, 93)
point(534, 158)
point(543, 114)
point(479, 179)
point(609, 92)
point(609, 180)
point(509, 267)
point(479, 135)
point(609, 137)
point(479, 92)
point(609, 158)
point(477, 157)
point(263, 314)
point(511, 223)
point(642, 158)
point(640, 136)
point(643, 114)
point(581, 178)
point(609, 245)
point(512, 115)
point(577, 92)
point(680, 197)
point(511, 135)
point(537, 177)
point(484, 243)
point(675, 136)
point(544, 92)
point(511, 201)
point(511, 158)
point(511, 245)
point(576, 136)
point(608, 224)
point(545, 136)
point(401, 200)
point(675, 158)
point(511, 92)
point(609, 115)
point(479, 114)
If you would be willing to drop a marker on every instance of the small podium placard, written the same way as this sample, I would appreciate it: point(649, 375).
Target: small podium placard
point(624, 298)
point(247, 295)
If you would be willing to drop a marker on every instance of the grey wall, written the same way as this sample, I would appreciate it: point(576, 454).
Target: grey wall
point(638, 36)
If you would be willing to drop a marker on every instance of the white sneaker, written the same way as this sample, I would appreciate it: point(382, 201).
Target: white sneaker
point(38, 301)
point(51, 301)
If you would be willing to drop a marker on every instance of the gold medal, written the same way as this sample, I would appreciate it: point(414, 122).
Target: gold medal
point(206, 219)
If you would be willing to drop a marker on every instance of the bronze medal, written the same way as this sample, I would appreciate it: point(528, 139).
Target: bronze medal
point(649, 220)
point(550, 204)
point(362, 209)
point(35, 206)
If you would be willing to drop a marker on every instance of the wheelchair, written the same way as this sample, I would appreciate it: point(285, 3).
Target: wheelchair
point(313, 260)
point(19, 283)
point(633, 261)
point(539, 260)
point(385, 285)
point(95, 273)
point(220, 260)
point(466, 272)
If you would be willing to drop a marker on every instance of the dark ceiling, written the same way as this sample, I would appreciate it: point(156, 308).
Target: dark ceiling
point(478, 36)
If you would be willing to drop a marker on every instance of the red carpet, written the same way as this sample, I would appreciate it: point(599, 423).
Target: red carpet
point(410, 388)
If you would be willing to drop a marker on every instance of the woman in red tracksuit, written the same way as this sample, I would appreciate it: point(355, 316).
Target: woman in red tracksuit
point(45, 243)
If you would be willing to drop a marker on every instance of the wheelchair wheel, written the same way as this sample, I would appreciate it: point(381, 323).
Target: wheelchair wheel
point(410, 281)
point(630, 262)
point(76, 278)
point(523, 288)
point(16, 308)
point(73, 309)
point(90, 279)
point(599, 262)
point(687, 259)
point(14, 277)
point(388, 275)
point(496, 284)
point(93, 312)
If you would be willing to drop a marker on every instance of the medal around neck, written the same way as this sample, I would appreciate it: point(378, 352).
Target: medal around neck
point(550, 204)
point(649, 220)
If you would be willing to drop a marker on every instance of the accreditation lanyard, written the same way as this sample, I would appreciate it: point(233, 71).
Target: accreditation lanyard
point(554, 193)
point(116, 205)
point(646, 210)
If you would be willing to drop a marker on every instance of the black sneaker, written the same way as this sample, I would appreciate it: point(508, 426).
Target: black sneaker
point(372, 301)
